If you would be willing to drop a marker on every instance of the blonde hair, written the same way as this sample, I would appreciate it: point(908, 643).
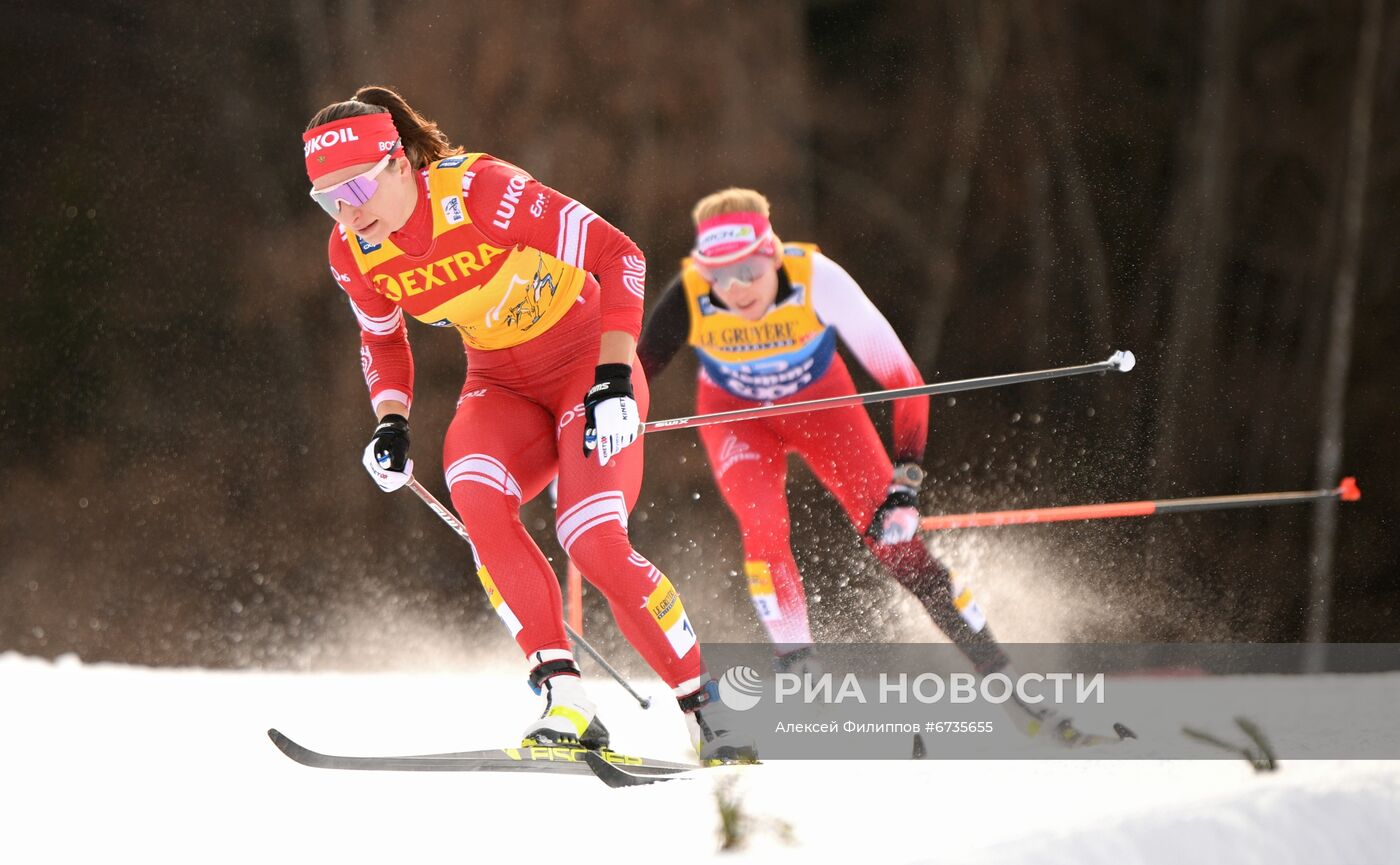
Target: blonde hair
point(731, 200)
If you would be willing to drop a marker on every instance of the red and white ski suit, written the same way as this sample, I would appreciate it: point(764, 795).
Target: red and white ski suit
point(790, 355)
point(511, 264)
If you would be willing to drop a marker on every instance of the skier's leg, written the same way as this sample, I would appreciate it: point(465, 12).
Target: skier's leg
point(749, 462)
point(591, 522)
point(846, 454)
point(498, 453)
point(594, 502)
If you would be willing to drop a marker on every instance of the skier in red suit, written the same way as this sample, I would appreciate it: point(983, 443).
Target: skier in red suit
point(764, 318)
point(547, 298)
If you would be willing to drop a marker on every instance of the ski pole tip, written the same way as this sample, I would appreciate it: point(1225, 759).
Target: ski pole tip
point(1123, 361)
point(1348, 491)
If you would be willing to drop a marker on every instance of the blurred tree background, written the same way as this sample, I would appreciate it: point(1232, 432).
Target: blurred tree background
point(1018, 185)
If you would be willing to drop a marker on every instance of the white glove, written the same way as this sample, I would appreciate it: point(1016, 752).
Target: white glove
point(611, 418)
point(387, 449)
point(388, 479)
point(618, 423)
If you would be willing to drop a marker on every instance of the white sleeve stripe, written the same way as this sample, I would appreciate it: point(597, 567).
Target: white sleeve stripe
point(563, 229)
point(573, 233)
point(393, 313)
point(634, 274)
point(397, 395)
point(378, 326)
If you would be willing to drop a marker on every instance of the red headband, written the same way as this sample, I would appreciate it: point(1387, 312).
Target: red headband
point(728, 237)
point(358, 140)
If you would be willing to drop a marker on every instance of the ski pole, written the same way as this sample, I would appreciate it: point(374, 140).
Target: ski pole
point(1347, 491)
point(451, 519)
point(1120, 361)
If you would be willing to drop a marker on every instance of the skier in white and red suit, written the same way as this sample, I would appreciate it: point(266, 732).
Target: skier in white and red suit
point(764, 318)
point(547, 298)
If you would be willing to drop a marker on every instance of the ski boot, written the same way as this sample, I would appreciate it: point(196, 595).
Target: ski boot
point(714, 729)
point(569, 718)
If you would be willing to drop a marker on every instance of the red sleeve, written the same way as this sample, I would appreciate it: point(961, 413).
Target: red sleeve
point(513, 209)
point(385, 355)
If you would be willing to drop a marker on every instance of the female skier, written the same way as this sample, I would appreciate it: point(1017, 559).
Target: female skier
point(547, 298)
point(763, 317)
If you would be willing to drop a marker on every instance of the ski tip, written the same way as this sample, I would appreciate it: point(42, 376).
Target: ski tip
point(614, 776)
point(1123, 731)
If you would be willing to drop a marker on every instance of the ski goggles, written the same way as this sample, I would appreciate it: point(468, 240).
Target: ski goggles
point(745, 270)
point(355, 192)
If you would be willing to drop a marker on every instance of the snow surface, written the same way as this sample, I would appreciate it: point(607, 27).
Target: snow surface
point(105, 762)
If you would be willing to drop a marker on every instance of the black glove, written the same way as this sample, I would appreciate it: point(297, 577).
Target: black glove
point(611, 381)
point(390, 442)
point(897, 518)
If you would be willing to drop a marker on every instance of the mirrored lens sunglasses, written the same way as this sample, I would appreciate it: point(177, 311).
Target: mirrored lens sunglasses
point(356, 191)
point(745, 270)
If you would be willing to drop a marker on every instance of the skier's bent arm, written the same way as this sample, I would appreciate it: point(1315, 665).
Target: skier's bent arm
point(386, 359)
point(841, 302)
point(565, 228)
point(387, 362)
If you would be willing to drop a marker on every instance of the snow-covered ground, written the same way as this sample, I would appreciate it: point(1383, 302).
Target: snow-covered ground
point(104, 762)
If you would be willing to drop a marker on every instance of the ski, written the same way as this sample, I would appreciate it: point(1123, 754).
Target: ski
point(616, 776)
point(1263, 759)
point(555, 759)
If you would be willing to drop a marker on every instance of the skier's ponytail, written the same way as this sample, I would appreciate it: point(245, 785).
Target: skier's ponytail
point(423, 142)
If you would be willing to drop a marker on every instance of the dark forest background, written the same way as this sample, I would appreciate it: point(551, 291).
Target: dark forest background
point(1018, 185)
